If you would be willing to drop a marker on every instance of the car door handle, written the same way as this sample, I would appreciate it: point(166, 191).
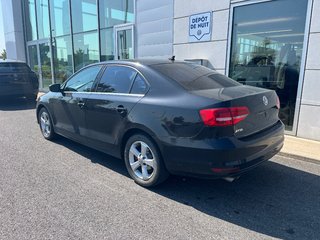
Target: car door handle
point(81, 104)
point(121, 109)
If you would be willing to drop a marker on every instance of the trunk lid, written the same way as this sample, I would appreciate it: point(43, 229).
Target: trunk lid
point(261, 103)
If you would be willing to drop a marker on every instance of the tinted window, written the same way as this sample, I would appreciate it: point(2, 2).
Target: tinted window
point(14, 67)
point(139, 85)
point(116, 80)
point(194, 77)
point(82, 81)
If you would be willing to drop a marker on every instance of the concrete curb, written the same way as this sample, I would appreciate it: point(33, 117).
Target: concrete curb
point(299, 158)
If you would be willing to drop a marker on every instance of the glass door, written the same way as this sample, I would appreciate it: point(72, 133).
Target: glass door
point(45, 65)
point(124, 41)
point(40, 61)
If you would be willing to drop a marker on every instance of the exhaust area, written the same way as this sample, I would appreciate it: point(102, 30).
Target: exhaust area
point(230, 179)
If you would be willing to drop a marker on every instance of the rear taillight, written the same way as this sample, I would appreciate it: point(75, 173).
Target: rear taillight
point(223, 116)
point(278, 102)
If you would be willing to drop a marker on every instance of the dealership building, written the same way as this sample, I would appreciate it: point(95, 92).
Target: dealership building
point(273, 44)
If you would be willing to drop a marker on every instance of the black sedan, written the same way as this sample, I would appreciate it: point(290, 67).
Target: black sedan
point(165, 117)
point(17, 80)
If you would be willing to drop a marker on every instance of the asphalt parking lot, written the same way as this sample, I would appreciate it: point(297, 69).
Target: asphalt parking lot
point(63, 190)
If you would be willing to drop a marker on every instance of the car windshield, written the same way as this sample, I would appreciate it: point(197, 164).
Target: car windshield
point(13, 68)
point(194, 77)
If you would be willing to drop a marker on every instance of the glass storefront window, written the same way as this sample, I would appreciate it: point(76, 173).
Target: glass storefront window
point(84, 15)
point(33, 59)
point(86, 49)
point(124, 44)
point(115, 12)
point(266, 51)
point(60, 17)
point(45, 61)
point(31, 23)
point(43, 19)
point(62, 58)
point(107, 44)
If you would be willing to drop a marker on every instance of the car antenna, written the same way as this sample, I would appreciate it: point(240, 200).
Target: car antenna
point(172, 58)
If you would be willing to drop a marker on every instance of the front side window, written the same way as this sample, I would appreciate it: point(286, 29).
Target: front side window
point(116, 79)
point(267, 46)
point(83, 81)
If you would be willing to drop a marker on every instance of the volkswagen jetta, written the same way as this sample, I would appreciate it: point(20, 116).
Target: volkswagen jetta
point(165, 117)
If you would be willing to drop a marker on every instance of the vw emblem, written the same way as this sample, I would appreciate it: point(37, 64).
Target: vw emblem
point(265, 100)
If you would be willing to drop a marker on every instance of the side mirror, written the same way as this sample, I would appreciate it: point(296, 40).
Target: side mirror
point(56, 87)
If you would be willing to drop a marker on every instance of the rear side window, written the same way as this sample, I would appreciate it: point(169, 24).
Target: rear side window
point(116, 79)
point(14, 68)
point(83, 80)
point(139, 86)
point(194, 77)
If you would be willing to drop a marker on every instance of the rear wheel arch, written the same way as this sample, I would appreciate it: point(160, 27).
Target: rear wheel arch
point(152, 155)
point(135, 131)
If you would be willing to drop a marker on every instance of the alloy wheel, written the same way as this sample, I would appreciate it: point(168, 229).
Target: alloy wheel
point(142, 160)
point(45, 124)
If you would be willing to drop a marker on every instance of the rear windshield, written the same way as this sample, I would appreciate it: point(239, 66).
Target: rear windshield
point(14, 68)
point(194, 77)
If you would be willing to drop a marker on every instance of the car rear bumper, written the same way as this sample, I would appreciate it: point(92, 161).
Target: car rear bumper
point(215, 158)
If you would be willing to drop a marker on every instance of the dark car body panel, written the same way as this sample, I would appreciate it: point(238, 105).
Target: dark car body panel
point(170, 116)
point(17, 80)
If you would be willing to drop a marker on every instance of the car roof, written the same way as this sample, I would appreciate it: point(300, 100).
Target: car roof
point(146, 61)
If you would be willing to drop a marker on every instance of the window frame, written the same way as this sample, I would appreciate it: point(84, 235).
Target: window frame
point(63, 86)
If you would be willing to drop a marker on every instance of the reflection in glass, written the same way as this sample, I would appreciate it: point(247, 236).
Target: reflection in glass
point(86, 50)
point(267, 42)
point(60, 18)
point(84, 15)
point(33, 59)
point(125, 44)
point(62, 58)
point(83, 80)
point(116, 79)
point(107, 44)
point(43, 19)
point(31, 28)
point(115, 12)
point(45, 61)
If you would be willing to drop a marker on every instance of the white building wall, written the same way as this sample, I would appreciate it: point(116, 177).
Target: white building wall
point(154, 28)
point(309, 118)
point(13, 29)
point(215, 50)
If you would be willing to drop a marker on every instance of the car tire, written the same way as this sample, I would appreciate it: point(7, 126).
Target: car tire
point(45, 123)
point(144, 162)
